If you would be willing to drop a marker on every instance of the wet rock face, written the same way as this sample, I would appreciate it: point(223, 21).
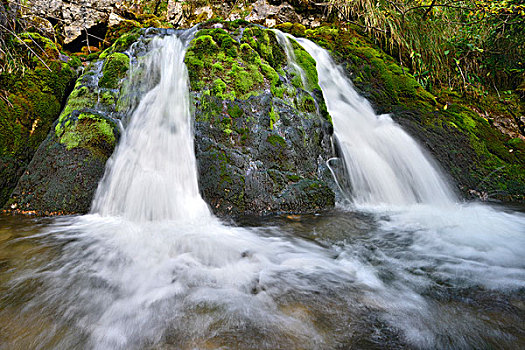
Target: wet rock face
point(64, 173)
point(262, 138)
point(29, 105)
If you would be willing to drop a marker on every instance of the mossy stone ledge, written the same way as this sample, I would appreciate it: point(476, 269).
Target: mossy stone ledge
point(262, 137)
point(64, 173)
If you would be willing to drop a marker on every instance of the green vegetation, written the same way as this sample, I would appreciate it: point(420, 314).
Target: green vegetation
point(460, 44)
point(232, 69)
point(34, 79)
point(115, 67)
point(274, 117)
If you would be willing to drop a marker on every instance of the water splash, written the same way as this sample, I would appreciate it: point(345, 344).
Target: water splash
point(153, 175)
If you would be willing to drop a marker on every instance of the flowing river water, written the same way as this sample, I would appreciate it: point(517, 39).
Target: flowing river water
point(405, 265)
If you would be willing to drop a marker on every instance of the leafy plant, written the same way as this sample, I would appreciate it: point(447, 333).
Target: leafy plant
point(459, 43)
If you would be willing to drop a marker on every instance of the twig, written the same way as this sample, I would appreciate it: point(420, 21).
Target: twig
point(87, 40)
point(489, 175)
point(4, 92)
point(40, 47)
point(30, 49)
point(427, 12)
point(461, 72)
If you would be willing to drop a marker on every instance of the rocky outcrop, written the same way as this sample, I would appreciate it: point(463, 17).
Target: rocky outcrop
point(30, 101)
point(86, 21)
point(262, 134)
point(66, 169)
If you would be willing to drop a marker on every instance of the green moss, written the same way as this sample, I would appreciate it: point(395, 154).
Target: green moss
point(74, 62)
point(308, 65)
point(79, 99)
point(279, 91)
point(244, 81)
point(274, 117)
point(307, 104)
point(276, 140)
point(39, 43)
point(204, 45)
point(31, 102)
point(515, 142)
point(226, 125)
point(211, 106)
point(271, 75)
point(296, 29)
point(235, 111)
point(124, 41)
point(115, 68)
point(293, 177)
point(218, 88)
point(246, 70)
point(265, 43)
point(248, 54)
point(89, 131)
point(108, 98)
point(217, 67)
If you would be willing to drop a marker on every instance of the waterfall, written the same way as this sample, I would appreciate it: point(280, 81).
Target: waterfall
point(153, 175)
point(385, 165)
point(150, 268)
point(286, 44)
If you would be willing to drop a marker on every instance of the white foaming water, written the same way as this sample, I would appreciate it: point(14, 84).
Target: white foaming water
point(386, 166)
point(153, 175)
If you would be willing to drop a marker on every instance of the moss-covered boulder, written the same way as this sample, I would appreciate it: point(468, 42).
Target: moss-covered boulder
point(262, 135)
point(481, 160)
point(31, 98)
point(64, 173)
point(115, 68)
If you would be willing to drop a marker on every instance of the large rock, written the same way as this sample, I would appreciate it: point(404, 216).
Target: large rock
point(262, 136)
point(64, 173)
point(29, 104)
point(76, 17)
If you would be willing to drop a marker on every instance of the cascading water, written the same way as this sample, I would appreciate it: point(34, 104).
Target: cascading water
point(385, 165)
point(286, 44)
point(151, 268)
point(153, 174)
